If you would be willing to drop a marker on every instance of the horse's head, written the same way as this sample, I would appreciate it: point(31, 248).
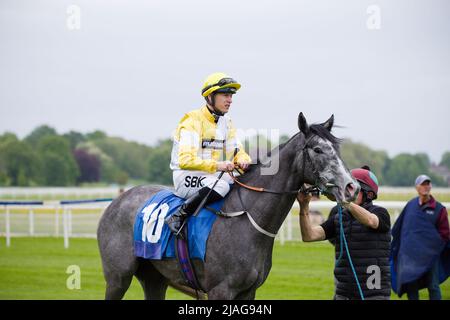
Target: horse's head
point(319, 163)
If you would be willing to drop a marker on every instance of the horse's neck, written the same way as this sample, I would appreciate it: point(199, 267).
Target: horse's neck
point(268, 209)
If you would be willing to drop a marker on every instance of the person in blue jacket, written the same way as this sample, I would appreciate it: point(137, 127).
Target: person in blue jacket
point(420, 249)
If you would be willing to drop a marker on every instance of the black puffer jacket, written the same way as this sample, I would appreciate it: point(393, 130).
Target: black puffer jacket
point(369, 252)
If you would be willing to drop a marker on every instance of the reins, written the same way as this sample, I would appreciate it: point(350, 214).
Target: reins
point(260, 189)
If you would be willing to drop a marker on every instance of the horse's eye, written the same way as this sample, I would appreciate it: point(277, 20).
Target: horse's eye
point(318, 150)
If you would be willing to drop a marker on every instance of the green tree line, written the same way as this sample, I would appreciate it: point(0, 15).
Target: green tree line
point(45, 157)
point(400, 170)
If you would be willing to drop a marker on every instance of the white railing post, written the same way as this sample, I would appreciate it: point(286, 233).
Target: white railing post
point(281, 232)
point(65, 228)
point(8, 227)
point(31, 221)
point(56, 221)
point(70, 222)
point(289, 226)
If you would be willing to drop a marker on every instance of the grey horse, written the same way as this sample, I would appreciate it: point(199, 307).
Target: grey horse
point(238, 257)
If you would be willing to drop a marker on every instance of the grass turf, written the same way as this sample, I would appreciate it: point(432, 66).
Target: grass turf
point(35, 268)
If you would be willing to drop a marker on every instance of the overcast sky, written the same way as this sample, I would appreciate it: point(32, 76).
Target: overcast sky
point(133, 68)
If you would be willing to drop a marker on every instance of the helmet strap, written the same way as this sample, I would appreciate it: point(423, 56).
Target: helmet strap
point(212, 103)
point(368, 196)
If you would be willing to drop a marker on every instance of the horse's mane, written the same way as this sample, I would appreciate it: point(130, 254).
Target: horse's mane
point(323, 132)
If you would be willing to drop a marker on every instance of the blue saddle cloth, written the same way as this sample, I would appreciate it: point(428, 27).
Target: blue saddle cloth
point(153, 238)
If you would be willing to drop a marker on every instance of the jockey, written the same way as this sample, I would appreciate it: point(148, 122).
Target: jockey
point(204, 141)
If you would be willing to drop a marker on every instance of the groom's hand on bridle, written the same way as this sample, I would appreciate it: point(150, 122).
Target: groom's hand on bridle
point(303, 200)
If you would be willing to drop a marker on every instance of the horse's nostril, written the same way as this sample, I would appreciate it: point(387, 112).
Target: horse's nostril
point(350, 188)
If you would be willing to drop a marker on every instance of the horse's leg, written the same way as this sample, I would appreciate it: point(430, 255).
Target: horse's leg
point(119, 265)
point(222, 292)
point(118, 280)
point(235, 286)
point(247, 295)
point(153, 282)
point(116, 292)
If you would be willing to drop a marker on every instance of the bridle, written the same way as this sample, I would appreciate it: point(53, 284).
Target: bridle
point(319, 185)
point(314, 188)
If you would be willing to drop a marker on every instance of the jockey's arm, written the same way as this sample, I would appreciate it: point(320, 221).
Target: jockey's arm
point(309, 233)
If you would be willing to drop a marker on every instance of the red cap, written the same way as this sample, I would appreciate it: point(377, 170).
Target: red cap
point(366, 177)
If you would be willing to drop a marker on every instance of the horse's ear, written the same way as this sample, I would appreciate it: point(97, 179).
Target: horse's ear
point(302, 124)
point(329, 123)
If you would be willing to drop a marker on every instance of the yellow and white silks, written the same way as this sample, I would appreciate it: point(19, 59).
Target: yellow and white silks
point(198, 144)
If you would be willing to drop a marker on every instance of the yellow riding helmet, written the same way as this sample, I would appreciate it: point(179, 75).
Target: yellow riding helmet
point(218, 82)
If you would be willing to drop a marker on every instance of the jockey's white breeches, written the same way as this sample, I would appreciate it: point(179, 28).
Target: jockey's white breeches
point(189, 182)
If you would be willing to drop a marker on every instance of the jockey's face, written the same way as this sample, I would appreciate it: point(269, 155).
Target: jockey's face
point(223, 102)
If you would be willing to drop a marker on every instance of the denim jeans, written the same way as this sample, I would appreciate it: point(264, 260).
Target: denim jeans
point(432, 280)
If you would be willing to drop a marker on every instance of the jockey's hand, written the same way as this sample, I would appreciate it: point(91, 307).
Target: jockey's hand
point(243, 165)
point(225, 166)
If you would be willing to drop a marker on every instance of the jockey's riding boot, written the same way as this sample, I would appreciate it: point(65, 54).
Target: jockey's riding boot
point(188, 208)
point(175, 221)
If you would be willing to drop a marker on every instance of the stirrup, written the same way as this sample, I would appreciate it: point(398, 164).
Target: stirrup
point(175, 222)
